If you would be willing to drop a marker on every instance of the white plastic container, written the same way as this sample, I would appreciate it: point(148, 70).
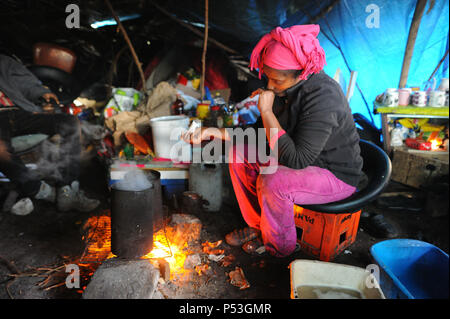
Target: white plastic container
point(166, 131)
point(313, 279)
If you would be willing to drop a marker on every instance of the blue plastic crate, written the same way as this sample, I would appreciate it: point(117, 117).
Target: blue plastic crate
point(411, 269)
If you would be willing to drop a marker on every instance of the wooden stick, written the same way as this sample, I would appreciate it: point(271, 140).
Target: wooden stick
point(130, 45)
point(54, 286)
point(438, 66)
point(194, 30)
point(323, 12)
point(7, 289)
point(205, 43)
point(415, 23)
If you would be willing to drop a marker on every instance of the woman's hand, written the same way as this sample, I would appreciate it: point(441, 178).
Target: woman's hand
point(266, 98)
point(194, 138)
point(49, 108)
point(205, 134)
point(50, 96)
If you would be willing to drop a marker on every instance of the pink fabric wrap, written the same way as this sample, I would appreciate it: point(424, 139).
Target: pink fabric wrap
point(293, 48)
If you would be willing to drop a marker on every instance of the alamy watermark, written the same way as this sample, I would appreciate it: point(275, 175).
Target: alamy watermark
point(373, 279)
point(373, 19)
point(73, 18)
point(73, 279)
point(243, 146)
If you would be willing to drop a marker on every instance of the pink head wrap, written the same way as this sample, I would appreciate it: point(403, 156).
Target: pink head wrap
point(294, 48)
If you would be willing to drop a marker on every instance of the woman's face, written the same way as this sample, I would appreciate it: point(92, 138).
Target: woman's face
point(279, 81)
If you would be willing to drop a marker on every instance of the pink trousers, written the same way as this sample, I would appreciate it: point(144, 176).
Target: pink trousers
point(267, 200)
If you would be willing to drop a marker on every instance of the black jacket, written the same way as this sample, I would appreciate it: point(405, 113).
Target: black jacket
point(20, 85)
point(320, 129)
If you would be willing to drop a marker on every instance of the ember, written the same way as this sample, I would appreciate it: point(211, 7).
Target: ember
point(177, 252)
point(237, 278)
point(98, 245)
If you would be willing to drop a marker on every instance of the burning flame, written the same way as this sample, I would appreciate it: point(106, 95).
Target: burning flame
point(98, 246)
point(435, 144)
point(173, 254)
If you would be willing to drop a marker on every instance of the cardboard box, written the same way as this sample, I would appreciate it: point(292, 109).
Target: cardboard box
point(415, 168)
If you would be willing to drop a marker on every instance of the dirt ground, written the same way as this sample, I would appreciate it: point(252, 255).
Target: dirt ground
point(46, 238)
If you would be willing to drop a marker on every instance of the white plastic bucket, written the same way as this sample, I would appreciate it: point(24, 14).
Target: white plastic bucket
point(166, 131)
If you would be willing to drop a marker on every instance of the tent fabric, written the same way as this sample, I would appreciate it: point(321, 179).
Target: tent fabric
point(376, 51)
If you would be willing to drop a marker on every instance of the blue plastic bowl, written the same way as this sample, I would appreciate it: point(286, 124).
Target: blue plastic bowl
point(411, 269)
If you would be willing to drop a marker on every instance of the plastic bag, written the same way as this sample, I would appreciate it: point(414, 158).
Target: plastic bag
point(124, 99)
point(399, 134)
point(414, 124)
point(248, 110)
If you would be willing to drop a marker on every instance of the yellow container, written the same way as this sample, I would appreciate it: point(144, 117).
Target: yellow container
point(202, 110)
point(196, 83)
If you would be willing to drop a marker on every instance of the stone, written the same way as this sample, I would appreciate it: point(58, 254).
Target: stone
point(164, 269)
point(123, 279)
point(191, 261)
point(157, 295)
point(23, 207)
point(184, 229)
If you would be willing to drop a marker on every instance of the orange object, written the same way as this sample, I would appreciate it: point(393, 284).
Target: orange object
point(55, 56)
point(325, 235)
point(237, 278)
point(139, 143)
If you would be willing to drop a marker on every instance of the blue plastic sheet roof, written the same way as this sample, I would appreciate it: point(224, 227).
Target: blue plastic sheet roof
point(373, 44)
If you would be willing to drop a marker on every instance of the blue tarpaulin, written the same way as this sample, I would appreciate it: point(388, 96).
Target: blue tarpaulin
point(377, 52)
point(372, 35)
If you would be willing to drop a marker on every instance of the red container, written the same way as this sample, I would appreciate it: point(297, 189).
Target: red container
point(325, 235)
point(418, 144)
point(55, 56)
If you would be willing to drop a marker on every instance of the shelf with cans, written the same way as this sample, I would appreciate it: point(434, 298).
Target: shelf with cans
point(428, 108)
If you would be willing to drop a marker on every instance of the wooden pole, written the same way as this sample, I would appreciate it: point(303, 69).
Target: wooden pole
point(205, 43)
point(415, 23)
point(194, 30)
point(438, 66)
point(130, 45)
point(322, 13)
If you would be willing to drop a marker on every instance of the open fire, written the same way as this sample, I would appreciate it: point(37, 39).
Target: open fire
point(98, 245)
point(177, 245)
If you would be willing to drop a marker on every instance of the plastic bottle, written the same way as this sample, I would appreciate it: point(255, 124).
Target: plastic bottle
point(177, 107)
point(235, 117)
point(218, 100)
point(214, 114)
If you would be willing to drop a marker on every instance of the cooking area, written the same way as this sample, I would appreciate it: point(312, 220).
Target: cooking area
point(209, 151)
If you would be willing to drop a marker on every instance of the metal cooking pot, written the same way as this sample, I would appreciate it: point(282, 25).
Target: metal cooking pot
point(134, 217)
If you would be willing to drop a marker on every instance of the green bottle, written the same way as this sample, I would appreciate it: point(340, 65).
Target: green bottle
point(128, 150)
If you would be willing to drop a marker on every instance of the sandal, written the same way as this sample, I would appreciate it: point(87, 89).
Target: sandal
point(239, 237)
point(379, 227)
point(254, 247)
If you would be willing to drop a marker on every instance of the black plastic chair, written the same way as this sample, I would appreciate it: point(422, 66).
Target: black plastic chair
point(377, 167)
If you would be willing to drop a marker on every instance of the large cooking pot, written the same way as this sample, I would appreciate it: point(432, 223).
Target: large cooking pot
point(135, 215)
